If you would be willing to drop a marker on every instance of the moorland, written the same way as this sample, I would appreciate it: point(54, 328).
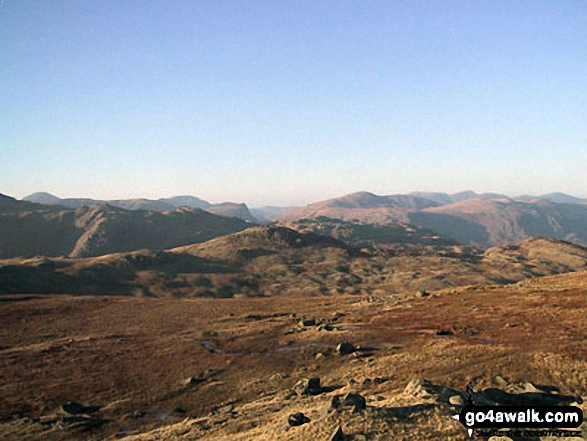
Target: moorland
point(361, 318)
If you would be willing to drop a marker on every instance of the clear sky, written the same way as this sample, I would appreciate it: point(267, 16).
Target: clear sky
point(290, 102)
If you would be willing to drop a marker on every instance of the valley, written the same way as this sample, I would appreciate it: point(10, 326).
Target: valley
point(315, 328)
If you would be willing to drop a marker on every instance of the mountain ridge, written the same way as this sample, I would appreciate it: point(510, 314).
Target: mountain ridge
point(28, 229)
point(485, 220)
point(228, 209)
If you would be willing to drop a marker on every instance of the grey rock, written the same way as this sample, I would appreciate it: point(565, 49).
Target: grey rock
point(73, 408)
point(307, 322)
point(347, 401)
point(456, 400)
point(297, 419)
point(307, 386)
point(425, 389)
point(345, 348)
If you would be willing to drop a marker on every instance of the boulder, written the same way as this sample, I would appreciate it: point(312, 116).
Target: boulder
point(345, 348)
point(73, 408)
point(308, 386)
point(456, 400)
point(426, 390)
point(353, 401)
point(297, 419)
point(307, 322)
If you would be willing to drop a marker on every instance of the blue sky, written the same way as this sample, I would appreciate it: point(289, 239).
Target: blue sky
point(290, 102)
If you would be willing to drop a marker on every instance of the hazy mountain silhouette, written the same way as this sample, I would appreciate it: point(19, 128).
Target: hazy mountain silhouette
point(362, 206)
point(28, 229)
point(498, 221)
point(485, 220)
point(268, 213)
point(228, 209)
point(187, 201)
point(232, 209)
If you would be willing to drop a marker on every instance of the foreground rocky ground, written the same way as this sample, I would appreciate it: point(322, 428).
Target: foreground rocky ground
point(242, 368)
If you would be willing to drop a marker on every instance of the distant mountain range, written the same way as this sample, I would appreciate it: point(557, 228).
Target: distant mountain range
point(29, 229)
point(229, 209)
point(45, 224)
point(481, 219)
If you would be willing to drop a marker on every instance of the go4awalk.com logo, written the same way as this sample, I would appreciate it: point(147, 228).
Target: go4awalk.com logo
point(515, 417)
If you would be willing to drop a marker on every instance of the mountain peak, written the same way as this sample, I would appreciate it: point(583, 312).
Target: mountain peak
point(42, 197)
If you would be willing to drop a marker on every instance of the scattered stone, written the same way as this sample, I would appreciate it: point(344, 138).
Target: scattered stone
point(307, 322)
point(423, 293)
point(201, 377)
point(228, 408)
point(337, 435)
point(379, 380)
point(456, 400)
point(425, 389)
point(349, 400)
point(191, 381)
point(337, 315)
point(345, 348)
point(326, 327)
point(308, 387)
point(443, 333)
point(511, 325)
point(73, 408)
point(320, 356)
point(497, 397)
point(297, 419)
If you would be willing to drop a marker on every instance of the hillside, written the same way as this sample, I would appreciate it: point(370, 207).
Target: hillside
point(482, 220)
point(10, 205)
point(360, 234)
point(268, 213)
point(127, 204)
point(274, 261)
point(228, 209)
point(256, 262)
point(28, 229)
point(537, 257)
point(362, 206)
point(487, 222)
point(240, 369)
point(231, 209)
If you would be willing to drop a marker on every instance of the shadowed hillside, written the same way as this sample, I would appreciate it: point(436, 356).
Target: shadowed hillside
point(231, 209)
point(501, 221)
point(28, 229)
point(360, 234)
point(277, 261)
point(228, 209)
point(483, 220)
